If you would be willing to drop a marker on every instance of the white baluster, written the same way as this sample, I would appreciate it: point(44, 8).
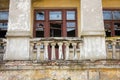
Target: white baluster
point(67, 51)
point(80, 46)
point(46, 50)
point(74, 51)
point(60, 50)
point(53, 51)
point(38, 52)
point(114, 49)
point(107, 51)
point(31, 51)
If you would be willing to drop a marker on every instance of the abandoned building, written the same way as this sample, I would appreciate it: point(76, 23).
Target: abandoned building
point(59, 39)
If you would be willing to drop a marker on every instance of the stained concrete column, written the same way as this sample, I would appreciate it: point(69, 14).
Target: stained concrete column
point(18, 30)
point(92, 30)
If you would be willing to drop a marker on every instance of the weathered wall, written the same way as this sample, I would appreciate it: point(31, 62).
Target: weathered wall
point(61, 71)
point(4, 4)
point(111, 4)
point(60, 75)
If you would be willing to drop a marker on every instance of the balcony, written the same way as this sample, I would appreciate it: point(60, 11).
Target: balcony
point(45, 49)
point(67, 49)
point(2, 48)
point(50, 49)
point(113, 48)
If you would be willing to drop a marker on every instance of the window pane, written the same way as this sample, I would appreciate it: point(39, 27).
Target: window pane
point(3, 25)
point(55, 30)
point(107, 15)
point(39, 33)
point(3, 33)
point(55, 15)
point(40, 30)
point(116, 15)
point(4, 15)
point(70, 24)
point(40, 15)
point(117, 29)
point(39, 26)
point(107, 29)
point(70, 15)
point(70, 32)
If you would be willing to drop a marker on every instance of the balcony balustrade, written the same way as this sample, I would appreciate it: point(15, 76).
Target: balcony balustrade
point(47, 49)
point(2, 48)
point(113, 48)
point(55, 49)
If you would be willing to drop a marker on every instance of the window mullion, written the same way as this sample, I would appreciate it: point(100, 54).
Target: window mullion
point(64, 30)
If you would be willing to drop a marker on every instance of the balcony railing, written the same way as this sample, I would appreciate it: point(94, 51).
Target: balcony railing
point(113, 48)
point(45, 49)
point(2, 48)
point(55, 49)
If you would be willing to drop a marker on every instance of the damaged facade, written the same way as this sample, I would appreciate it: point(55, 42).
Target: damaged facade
point(60, 39)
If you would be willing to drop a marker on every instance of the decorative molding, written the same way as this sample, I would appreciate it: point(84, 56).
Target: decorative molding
point(18, 34)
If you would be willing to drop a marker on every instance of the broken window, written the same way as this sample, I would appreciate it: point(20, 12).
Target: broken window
point(3, 23)
point(55, 23)
point(112, 22)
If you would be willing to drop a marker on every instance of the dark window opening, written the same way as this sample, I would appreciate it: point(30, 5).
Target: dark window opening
point(71, 29)
point(55, 30)
point(40, 15)
point(39, 30)
point(2, 33)
point(117, 29)
point(107, 26)
point(70, 32)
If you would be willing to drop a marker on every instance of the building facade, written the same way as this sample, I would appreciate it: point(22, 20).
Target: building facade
point(47, 39)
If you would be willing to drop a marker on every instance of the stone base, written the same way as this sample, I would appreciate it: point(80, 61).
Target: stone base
point(68, 70)
point(17, 48)
point(93, 48)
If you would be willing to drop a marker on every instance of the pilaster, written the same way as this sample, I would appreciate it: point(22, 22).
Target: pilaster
point(18, 34)
point(92, 30)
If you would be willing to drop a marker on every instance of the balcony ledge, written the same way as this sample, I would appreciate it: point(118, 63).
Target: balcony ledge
point(60, 64)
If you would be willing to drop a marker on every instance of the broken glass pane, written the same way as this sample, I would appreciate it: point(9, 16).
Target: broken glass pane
point(39, 26)
point(107, 29)
point(40, 15)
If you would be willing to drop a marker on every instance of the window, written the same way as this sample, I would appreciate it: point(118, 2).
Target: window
point(112, 22)
point(55, 23)
point(3, 23)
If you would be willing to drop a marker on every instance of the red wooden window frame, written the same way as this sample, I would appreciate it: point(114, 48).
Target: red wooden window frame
point(111, 22)
point(47, 21)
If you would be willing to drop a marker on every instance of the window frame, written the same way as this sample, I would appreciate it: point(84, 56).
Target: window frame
point(47, 21)
point(112, 21)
